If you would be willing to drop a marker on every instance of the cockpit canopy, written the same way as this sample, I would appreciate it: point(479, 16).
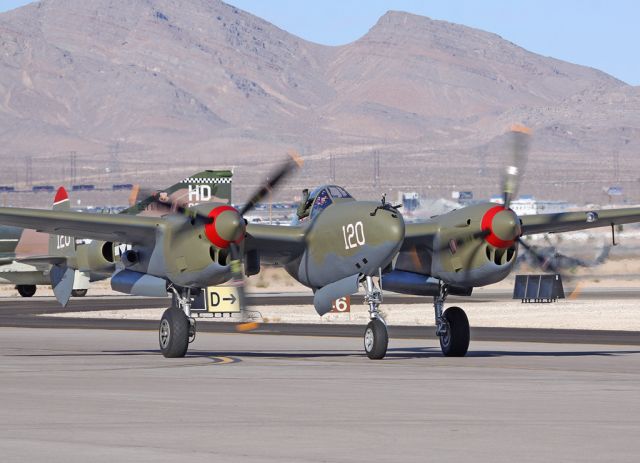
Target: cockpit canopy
point(322, 197)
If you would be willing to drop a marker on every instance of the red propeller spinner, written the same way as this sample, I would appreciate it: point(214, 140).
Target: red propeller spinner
point(227, 226)
point(502, 227)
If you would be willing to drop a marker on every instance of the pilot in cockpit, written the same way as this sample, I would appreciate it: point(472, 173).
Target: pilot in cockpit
point(304, 208)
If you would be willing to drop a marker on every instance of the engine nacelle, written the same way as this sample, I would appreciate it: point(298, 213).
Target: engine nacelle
point(96, 257)
point(471, 247)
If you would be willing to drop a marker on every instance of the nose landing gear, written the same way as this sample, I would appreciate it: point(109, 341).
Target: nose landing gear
point(177, 329)
point(376, 337)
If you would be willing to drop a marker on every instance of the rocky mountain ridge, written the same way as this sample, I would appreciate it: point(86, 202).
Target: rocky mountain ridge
point(154, 89)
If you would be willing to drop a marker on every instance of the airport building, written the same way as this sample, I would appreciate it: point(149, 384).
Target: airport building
point(528, 205)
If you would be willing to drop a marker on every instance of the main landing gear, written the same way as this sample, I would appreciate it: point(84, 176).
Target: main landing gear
point(177, 328)
point(452, 325)
point(26, 290)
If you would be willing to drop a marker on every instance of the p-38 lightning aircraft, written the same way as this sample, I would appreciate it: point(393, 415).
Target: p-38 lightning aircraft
point(337, 244)
point(28, 259)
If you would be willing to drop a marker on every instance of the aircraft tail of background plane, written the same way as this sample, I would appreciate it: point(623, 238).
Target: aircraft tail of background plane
point(65, 279)
point(202, 187)
point(63, 246)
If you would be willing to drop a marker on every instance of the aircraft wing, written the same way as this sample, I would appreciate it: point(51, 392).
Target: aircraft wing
point(572, 221)
point(419, 234)
point(276, 244)
point(106, 227)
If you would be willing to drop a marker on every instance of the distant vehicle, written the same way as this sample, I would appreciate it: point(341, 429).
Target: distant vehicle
point(83, 187)
point(122, 186)
point(410, 201)
point(7, 189)
point(43, 189)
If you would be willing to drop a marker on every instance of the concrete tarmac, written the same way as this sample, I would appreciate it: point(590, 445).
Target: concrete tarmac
point(33, 313)
point(71, 395)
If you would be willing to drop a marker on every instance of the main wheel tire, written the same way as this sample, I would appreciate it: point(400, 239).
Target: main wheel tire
point(456, 342)
point(174, 333)
point(26, 290)
point(376, 339)
point(79, 292)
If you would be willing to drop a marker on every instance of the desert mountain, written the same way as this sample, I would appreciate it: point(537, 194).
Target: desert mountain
point(151, 90)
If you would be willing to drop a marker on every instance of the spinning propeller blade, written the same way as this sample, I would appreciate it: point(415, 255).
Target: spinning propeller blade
point(543, 262)
point(231, 224)
point(520, 140)
point(293, 163)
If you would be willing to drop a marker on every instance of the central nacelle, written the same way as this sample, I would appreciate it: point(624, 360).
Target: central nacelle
point(346, 239)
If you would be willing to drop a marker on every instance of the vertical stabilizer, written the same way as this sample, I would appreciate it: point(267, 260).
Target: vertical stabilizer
point(60, 245)
point(204, 187)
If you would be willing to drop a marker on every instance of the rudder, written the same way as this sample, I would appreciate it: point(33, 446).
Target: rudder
point(60, 245)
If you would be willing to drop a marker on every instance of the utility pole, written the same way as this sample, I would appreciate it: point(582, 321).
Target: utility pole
point(114, 162)
point(332, 168)
point(376, 169)
point(73, 173)
point(28, 171)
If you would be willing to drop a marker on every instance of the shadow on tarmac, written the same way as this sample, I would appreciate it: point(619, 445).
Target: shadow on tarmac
point(435, 352)
point(392, 354)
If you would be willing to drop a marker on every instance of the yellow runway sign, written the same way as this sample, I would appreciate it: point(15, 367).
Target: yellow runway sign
point(222, 299)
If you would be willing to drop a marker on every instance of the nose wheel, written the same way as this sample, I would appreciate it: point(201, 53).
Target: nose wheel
point(376, 339)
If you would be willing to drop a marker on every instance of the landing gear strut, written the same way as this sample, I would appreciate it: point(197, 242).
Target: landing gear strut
point(452, 326)
point(177, 328)
point(376, 338)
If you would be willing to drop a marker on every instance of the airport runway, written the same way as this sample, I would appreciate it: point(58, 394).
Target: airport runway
point(71, 395)
point(31, 313)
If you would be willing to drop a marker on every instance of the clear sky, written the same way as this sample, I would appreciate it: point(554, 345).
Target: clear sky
point(598, 33)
